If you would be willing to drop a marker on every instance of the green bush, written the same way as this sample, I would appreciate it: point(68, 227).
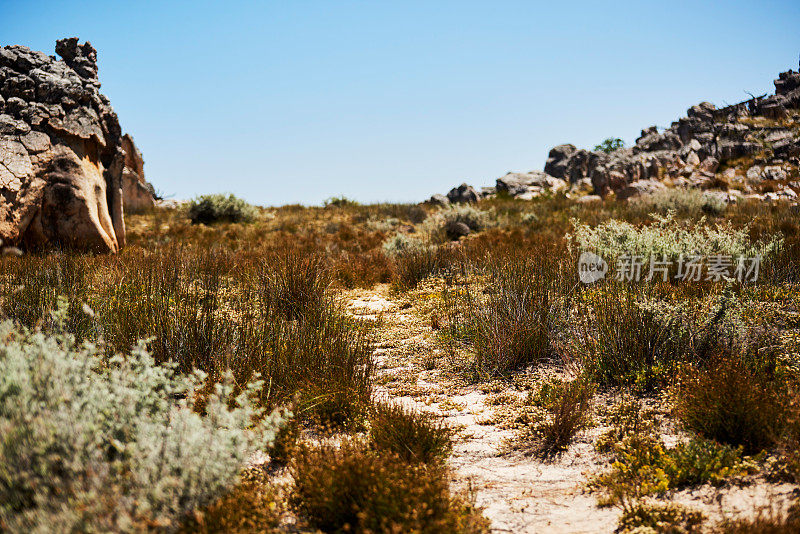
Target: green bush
point(354, 488)
point(208, 209)
point(89, 444)
point(413, 264)
point(402, 243)
point(294, 286)
point(340, 202)
point(644, 466)
point(633, 335)
point(620, 341)
point(699, 461)
point(609, 145)
point(411, 435)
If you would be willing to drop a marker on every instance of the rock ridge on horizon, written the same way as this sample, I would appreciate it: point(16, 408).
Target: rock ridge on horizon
point(747, 149)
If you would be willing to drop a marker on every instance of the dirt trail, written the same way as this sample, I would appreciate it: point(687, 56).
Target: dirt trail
point(519, 493)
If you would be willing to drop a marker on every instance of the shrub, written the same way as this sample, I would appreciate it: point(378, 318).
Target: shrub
point(274, 314)
point(644, 466)
point(669, 239)
point(400, 244)
point(435, 226)
point(294, 285)
point(385, 225)
point(208, 209)
point(683, 202)
point(325, 363)
point(253, 505)
point(627, 418)
point(286, 439)
point(660, 519)
point(765, 522)
point(609, 145)
point(729, 401)
point(413, 265)
point(506, 322)
point(637, 471)
point(340, 202)
point(90, 444)
point(353, 488)
point(699, 461)
point(619, 341)
point(411, 435)
point(567, 414)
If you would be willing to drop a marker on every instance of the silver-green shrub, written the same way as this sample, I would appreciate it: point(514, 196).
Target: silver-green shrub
point(402, 243)
point(435, 225)
point(670, 238)
point(682, 201)
point(89, 443)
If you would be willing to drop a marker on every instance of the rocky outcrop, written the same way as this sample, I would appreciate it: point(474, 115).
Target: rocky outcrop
point(61, 151)
point(763, 130)
point(463, 193)
point(137, 193)
point(527, 185)
point(752, 146)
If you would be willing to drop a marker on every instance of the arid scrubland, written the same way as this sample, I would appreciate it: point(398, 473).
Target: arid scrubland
point(349, 368)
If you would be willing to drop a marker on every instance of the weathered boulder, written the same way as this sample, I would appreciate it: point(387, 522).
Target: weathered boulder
point(456, 230)
point(438, 200)
point(556, 160)
point(527, 185)
point(463, 194)
point(642, 187)
point(61, 156)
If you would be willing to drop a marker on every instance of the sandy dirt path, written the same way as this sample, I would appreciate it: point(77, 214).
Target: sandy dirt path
point(518, 493)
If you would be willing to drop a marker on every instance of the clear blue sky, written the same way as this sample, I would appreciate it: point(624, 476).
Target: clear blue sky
point(297, 101)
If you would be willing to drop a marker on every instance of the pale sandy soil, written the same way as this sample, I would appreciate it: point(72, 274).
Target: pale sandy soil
point(518, 492)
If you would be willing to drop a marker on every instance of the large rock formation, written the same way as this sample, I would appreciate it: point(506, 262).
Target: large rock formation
point(751, 148)
point(137, 193)
point(61, 151)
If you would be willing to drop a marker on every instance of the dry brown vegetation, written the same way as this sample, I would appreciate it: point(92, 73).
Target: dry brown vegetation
point(266, 298)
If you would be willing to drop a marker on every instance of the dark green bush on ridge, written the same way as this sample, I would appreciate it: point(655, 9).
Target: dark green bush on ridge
point(609, 145)
point(208, 209)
